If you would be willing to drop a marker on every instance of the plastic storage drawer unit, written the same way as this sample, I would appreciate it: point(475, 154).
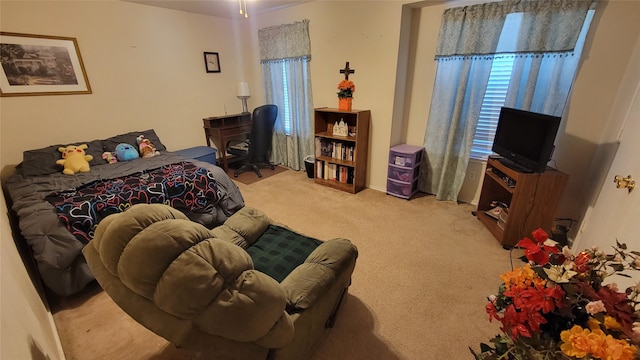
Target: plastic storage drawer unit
point(403, 171)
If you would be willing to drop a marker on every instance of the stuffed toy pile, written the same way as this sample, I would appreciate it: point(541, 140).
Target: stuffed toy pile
point(74, 159)
point(126, 152)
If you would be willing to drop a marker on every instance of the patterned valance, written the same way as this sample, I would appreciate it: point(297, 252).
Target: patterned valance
point(285, 41)
point(546, 26)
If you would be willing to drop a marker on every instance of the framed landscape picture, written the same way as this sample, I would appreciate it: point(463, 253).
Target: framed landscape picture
point(41, 65)
point(212, 62)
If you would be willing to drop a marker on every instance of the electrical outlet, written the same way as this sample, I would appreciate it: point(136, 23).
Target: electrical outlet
point(473, 175)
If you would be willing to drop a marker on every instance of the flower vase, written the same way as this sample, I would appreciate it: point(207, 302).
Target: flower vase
point(344, 104)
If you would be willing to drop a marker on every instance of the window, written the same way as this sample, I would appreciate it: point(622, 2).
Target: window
point(286, 114)
point(499, 82)
point(285, 52)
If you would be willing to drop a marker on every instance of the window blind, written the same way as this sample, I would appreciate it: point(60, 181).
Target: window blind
point(493, 100)
point(287, 105)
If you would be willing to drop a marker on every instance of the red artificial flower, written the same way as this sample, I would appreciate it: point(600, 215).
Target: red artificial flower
point(538, 298)
point(535, 319)
point(533, 252)
point(582, 261)
point(540, 235)
point(514, 320)
point(492, 311)
point(537, 252)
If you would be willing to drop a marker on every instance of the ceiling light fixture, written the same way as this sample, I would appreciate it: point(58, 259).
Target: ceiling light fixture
point(243, 8)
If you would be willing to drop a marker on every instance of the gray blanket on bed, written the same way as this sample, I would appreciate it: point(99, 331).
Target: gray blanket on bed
point(56, 251)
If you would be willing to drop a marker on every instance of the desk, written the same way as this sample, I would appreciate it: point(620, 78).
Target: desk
point(221, 129)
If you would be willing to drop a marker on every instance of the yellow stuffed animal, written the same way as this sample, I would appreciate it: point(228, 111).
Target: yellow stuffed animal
point(74, 159)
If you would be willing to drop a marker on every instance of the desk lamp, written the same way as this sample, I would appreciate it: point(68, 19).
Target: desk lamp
point(243, 94)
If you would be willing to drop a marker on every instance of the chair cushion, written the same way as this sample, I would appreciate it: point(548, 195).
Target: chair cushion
point(278, 251)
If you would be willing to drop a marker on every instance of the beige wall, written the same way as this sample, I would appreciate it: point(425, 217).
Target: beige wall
point(367, 35)
point(27, 330)
point(589, 117)
point(145, 66)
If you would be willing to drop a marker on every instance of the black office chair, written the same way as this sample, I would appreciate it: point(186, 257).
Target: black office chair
point(258, 151)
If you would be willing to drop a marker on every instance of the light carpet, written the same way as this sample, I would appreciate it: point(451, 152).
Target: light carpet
point(249, 177)
point(424, 270)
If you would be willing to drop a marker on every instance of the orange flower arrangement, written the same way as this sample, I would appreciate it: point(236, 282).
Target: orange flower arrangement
point(346, 88)
point(557, 306)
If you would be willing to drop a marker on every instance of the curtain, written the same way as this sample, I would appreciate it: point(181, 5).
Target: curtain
point(542, 82)
point(455, 108)
point(285, 53)
point(468, 40)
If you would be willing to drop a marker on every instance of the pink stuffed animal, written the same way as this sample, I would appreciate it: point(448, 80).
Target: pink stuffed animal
point(110, 157)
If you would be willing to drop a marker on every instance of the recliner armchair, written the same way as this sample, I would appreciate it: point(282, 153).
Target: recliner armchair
point(257, 154)
point(198, 288)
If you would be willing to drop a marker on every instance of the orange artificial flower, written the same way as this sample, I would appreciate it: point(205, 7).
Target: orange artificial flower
point(575, 342)
point(346, 88)
point(521, 278)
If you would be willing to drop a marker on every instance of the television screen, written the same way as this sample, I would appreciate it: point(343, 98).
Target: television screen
point(525, 139)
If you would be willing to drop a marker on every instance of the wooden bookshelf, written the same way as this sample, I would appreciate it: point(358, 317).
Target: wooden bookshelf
point(341, 161)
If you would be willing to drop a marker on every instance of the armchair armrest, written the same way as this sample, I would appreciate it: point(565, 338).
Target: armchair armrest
point(312, 279)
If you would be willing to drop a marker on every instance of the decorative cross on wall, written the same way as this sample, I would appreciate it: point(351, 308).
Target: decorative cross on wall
point(346, 71)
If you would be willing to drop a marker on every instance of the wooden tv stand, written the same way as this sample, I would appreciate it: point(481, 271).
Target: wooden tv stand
point(532, 199)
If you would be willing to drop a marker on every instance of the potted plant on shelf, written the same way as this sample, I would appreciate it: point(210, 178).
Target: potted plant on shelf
point(345, 95)
point(558, 306)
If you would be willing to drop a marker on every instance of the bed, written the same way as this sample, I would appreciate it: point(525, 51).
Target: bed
point(58, 213)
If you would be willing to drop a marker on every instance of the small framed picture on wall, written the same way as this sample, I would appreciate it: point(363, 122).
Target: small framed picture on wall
point(212, 62)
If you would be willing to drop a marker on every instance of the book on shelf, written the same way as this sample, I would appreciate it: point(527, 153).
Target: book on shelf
point(320, 169)
point(337, 148)
point(318, 146)
point(330, 171)
point(334, 149)
point(343, 174)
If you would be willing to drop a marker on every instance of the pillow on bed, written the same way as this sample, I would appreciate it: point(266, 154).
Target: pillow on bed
point(43, 161)
point(130, 138)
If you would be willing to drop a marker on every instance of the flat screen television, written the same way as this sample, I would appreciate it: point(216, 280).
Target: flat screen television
point(525, 139)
